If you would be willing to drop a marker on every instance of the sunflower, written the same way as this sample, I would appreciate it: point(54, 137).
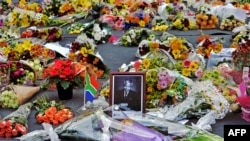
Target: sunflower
point(217, 48)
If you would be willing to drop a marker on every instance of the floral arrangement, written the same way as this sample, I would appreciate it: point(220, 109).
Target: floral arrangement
point(32, 6)
point(5, 7)
point(180, 48)
point(215, 76)
point(159, 24)
point(240, 38)
point(134, 36)
point(81, 5)
point(18, 17)
point(113, 21)
point(230, 23)
point(15, 124)
point(164, 88)
point(25, 49)
point(58, 8)
point(51, 34)
point(51, 112)
point(241, 57)
point(137, 19)
point(171, 10)
point(206, 46)
point(77, 27)
point(17, 73)
point(98, 33)
point(182, 23)
point(85, 54)
point(190, 67)
point(64, 72)
point(9, 33)
point(206, 21)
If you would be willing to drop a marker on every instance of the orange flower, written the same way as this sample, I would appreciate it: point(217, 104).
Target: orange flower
point(217, 48)
point(175, 44)
point(153, 45)
point(193, 66)
point(150, 89)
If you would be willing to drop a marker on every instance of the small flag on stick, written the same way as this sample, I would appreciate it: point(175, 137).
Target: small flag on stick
point(91, 87)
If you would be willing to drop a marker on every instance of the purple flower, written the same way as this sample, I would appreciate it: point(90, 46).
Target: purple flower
point(163, 84)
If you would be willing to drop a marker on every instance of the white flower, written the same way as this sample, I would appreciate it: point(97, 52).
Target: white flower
point(96, 28)
point(97, 36)
point(132, 33)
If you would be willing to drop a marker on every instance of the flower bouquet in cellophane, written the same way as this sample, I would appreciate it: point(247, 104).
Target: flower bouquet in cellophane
point(51, 112)
point(244, 98)
point(12, 96)
point(16, 123)
point(180, 48)
point(134, 35)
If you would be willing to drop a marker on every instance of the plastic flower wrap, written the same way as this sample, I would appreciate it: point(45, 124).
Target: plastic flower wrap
point(191, 67)
point(51, 112)
point(18, 73)
point(159, 24)
point(203, 98)
point(78, 27)
point(51, 34)
point(12, 96)
point(134, 36)
point(83, 51)
point(15, 124)
point(182, 23)
point(137, 19)
point(180, 48)
point(240, 37)
point(175, 131)
point(230, 23)
point(205, 19)
point(9, 33)
point(207, 45)
point(241, 56)
point(98, 32)
point(113, 21)
point(147, 46)
point(99, 126)
point(171, 10)
point(244, 98)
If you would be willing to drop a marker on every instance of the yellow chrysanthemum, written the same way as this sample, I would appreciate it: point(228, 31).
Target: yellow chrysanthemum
point(146, 63)
point(186, 72)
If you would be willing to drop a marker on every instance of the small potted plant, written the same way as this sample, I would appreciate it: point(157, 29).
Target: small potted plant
point(65, 74)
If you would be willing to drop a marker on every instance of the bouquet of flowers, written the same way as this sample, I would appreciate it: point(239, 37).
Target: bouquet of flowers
point(137, 19)
point(15, 124)
point(51, 34)
point(204, 100)
point(159, 24)
point(24, 49)
point(77, 27)
point(9, 34)
point(12, 96)
point(244, 97)
point(134, 36)
point(5, 7)
point(171, 10)
point(65, 73)
point(17, 73)
point(113, 21)
point(51, 112)
point(193, 66)
point(182, 23)
point(104, 127)
point(180, 48)
point(84, 53)
point(206, 46)
point(57, 8)
point(230, 23)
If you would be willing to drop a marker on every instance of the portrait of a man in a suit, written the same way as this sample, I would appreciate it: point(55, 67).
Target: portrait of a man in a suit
point(128, 96)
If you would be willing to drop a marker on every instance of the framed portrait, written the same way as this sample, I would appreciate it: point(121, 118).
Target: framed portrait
point(127, 94)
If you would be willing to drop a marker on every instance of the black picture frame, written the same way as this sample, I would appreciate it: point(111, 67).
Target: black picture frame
point(134, 102)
